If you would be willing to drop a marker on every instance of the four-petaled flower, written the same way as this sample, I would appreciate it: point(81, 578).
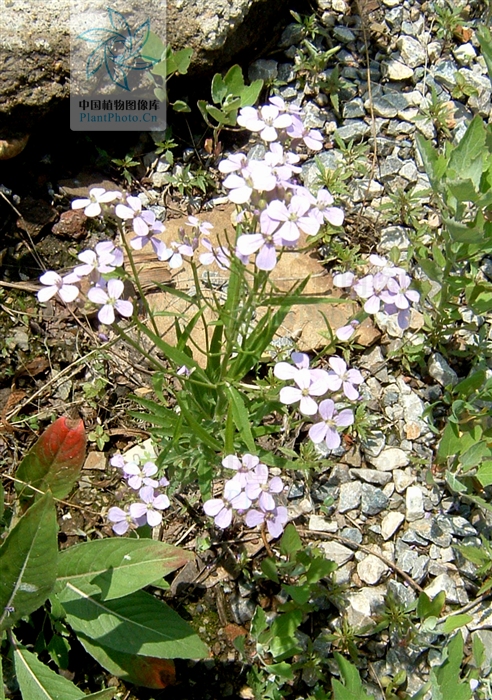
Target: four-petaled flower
point(341, 377)
point(220, 509)
point(326, 429)
point(307, 387)
point(149, 506)
point(55, 284)
point(110, 300)
point(97, 196)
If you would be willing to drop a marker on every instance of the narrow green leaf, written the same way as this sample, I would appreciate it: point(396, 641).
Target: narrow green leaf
point(28, 562)
point(2, 693)
point(200, 432)
point(114, 568)
point(136, 624)
point(241, 418)
point(2, 501)
point(38, 682)
point(485, 39)
point(450, 443)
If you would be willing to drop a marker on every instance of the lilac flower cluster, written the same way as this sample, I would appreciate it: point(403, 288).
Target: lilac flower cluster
point(386, 288)
point(311, 385)
point(276, 210)
point(251, 493)
point(147, 510)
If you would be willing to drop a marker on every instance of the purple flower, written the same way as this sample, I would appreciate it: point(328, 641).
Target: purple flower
point(203, 226)
point(146, 228)
point(137, 476)
point(292, 218)
point(221, 508)
point(121, 519)
point(311, 137)
point(102, 260)
point(275, 519)
point(370, 288)
point(64, 287)
point(307, 387)
point(398, 292)
point(341, 377)
point(219, 255)
point(256, 176)
point(258, 487)
point(261, 243)
point(323, 211)
point(110, 301)
point(97, 196)
point(150, 506)
point(242, 467)
point(327, 429)
point(344, 279)
point(131, 211)
point(346, 332)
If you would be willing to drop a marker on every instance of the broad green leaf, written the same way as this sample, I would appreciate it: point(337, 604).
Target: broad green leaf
point(290, 542)
point(269, 569)
point(250, 93)
point(283, 670)
point(55, 461)
point(146, 671)
point(450, 443)
point(181, 106)
point(136, 624)
point(113, 568)
point(484, 474)
point(284, 643)
point(28, 562)
point(300, 594)
point(234, 80)
point(469, 149)
point(319, 568)
point(182, 60)
point(430, 158)
point(448, 675)
point(474, 455)
point(220, 116)
point(463, 190)
point(351, 689)
point(160, 94)
point(430, 608)
point(454, 621)
point(154, 48)
point(38, 682)
point(462, 233)
point(470, 384)
point(480, 298)
point(218, 88)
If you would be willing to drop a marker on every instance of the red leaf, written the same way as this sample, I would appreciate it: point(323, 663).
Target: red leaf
point(55, 461)
point(151, 672)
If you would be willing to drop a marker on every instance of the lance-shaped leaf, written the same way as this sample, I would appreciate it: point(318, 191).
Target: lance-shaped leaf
point(114, 568)
point(28, 559)
point(38, 682)
point(147, 671)
point(55, 461)
point(136, 624)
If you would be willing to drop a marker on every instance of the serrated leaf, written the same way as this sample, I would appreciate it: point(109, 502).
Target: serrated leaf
point(136, 624)
point(114, 568)
point(55, 461)
point(28, 562)
point(484, 473)
point(351, 689)
point(146, 671)
point(258, 623)
point(38, 682)
point(448, 675)
point(469, 150)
